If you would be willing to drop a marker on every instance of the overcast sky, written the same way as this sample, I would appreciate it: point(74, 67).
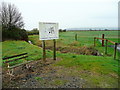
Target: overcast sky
point(68, 13)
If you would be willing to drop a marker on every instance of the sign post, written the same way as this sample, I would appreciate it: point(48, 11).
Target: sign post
point(48, 31)
point(44, 53)
point(54, 50)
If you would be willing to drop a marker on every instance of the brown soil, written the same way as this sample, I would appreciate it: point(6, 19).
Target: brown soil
point(77, 50)
point(40, 74)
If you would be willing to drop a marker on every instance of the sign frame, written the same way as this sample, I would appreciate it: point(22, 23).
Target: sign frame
point(48, 31)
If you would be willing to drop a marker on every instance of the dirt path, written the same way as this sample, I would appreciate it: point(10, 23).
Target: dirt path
point(40, 75)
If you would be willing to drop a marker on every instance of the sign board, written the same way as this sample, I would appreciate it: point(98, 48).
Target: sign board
point(48, 31)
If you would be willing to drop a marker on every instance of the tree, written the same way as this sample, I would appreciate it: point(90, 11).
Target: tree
point(12, 23)
point(10, 17)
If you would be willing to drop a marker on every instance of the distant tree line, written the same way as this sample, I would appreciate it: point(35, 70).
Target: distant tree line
point(12, 23)
point(60, 30)
point(35, 31)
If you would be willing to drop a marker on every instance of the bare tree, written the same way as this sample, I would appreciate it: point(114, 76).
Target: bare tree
point(10, 17)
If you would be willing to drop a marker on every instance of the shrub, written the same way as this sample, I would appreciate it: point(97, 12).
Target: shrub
point(14, 34)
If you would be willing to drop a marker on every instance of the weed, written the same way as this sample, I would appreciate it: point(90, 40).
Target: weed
point(38, 78)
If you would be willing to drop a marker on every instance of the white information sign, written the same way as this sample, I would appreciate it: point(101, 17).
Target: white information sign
point(48, 31)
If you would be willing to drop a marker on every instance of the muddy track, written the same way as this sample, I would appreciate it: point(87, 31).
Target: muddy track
point(42, 75)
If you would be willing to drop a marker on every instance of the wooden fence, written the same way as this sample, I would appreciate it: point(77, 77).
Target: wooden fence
point(10, 59)
point(115, 48)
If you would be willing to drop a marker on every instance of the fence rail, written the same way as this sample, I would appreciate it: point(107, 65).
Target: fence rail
point(7, 61)
point(14, 56)
point(111, 41)
point(15, 59)
point(99, 38)
point(11, 68)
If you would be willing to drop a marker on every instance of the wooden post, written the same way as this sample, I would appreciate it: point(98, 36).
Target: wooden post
point(76, 37)
point(115, 49)
point(102, 40)
point(44, 53)
point(54, 50)
point(106, 47)
point(94, 41)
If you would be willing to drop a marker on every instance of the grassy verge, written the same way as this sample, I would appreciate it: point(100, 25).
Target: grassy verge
point(10, 48)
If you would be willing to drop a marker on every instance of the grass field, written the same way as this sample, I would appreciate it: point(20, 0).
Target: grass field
point(104, 68)
point(85, 39)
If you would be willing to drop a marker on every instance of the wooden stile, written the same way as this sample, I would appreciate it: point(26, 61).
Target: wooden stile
point(115, 49)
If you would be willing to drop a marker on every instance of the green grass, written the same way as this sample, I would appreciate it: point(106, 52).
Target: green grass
point(38, 78)
point(103, 70)
point(98, 64)
point(10, 48)
point(85, 39)
point(104, 67)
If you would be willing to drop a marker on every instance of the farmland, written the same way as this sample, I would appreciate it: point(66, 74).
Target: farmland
point(67, 42)
point(75, 59)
